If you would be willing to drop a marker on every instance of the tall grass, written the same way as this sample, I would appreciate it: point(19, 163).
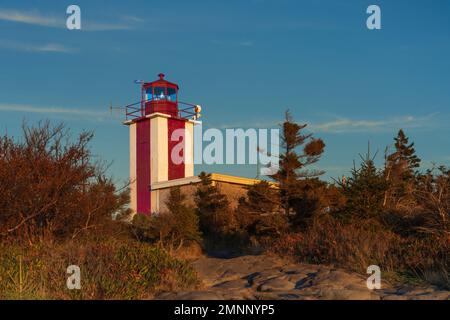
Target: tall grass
point(109, 270)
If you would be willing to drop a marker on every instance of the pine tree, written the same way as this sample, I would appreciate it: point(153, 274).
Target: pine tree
point(258, 213)
point(365, 190)
point(184, 217)
point(316, 198)
point(401, 170)
point(213, 209)
point(292, 164)
point(404, 160)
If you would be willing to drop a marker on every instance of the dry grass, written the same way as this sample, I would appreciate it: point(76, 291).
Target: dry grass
point(356, 245)
point(109, 270)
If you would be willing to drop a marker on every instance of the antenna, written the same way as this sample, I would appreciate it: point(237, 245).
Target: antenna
point(116, 109)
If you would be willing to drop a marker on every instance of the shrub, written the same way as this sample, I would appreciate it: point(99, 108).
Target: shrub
point(352, 246)
point(170, 229)
point(428, 258)
point(358, 244)
point(433, 194)
point(51, 189)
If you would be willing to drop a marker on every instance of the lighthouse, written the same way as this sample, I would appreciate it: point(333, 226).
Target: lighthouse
point(161, 141)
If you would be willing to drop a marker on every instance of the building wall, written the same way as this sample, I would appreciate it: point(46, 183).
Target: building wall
point(189, 150)
point(133, 184)
point(232, 191)
point(177, 145)
point(143, 174)
point(159, 150)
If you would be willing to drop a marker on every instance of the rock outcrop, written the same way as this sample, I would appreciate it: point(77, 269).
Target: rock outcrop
point(269, 277)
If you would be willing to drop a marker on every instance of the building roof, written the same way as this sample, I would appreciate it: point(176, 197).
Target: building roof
point(215, 177)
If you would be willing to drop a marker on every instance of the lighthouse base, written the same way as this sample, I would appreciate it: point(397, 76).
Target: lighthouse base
point(234, 187)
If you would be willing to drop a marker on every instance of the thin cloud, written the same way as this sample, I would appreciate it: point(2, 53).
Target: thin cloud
point(97, 115)
point(132, 18)
point(245, 43)
point(30, 17)
point(49, 47)
point(36, 18)
point(343, 125)
point(94, 26)
point(347, 125)
point(53, 47)
point(259, 124)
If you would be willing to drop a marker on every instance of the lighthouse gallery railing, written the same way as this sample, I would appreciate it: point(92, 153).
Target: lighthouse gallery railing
point(137, 110)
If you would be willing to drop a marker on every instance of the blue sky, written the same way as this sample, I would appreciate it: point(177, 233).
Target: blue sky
point(244, 61)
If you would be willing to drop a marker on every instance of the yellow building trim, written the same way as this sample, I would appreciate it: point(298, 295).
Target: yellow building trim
point(174, 183)
point(215, 177)
point(233, 179)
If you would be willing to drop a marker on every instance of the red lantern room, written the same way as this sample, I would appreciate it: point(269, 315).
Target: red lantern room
point(160, 96)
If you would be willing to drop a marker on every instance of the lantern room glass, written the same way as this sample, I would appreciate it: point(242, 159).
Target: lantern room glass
point(149, 94)
point(171, 94)
point(159, 93)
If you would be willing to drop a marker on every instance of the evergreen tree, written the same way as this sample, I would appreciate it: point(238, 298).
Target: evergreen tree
point(213, 208)
point(365, 190)
point(316, 198)
point(401, 170)
point(292, 164)
point(258, 213)
point(185, 217)
point(404, 161)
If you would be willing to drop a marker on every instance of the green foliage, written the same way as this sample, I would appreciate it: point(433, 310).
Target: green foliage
point(170, 229)
point(315, 198)
point(366, 225)
point(261, 198)
point(216, 217)
point(64, 195)
point(292, 164)
point(15, 279)
point(365, 191)
point(258, 213)
point(404, 161)
point(401, 172)
point(109, 270)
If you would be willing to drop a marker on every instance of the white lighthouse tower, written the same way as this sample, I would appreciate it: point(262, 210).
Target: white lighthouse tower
point(161, 141)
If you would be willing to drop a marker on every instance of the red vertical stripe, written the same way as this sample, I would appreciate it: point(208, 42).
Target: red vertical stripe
point(143, 166)
point(176, 171)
